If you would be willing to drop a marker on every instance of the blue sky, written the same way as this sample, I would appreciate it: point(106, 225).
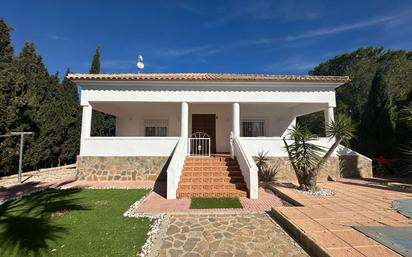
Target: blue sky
point(278, 37)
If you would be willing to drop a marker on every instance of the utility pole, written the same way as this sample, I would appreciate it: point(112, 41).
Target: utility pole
point(21, 134)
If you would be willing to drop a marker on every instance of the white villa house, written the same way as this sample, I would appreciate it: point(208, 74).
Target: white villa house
point(175, 123)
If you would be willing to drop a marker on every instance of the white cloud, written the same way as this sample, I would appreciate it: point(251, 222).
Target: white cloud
point(206, 49)
point(294, 65)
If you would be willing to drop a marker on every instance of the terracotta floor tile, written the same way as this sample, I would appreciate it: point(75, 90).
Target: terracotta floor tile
point(309, 225)
point(328, 240)
point(334, 224)
point(344, 252)
point(376, 251)
point(314, 214)
point(355, 238)
point(294, 214)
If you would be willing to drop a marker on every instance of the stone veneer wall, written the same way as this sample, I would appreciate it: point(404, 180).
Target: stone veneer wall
point(125, 168)
point(347, 166)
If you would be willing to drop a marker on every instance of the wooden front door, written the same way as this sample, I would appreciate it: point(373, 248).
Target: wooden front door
point(205, 123)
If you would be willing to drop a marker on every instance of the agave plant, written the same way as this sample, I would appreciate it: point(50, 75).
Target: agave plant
point(261, 160)
point(308, 158)
point(266, 172)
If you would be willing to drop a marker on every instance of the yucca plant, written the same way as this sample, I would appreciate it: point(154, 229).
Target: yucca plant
point(308, 158)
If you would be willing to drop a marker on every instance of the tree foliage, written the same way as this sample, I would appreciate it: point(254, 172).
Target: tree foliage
point(95, 66)
point(381, 85)
point(33, 100)
point(103, 124)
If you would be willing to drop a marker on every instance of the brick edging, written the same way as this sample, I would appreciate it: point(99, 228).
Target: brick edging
point(307, 242)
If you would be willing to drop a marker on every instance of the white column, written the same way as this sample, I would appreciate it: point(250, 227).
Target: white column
point(86, 126)
point(329, 115)
point(236, 120)
point(184, 120)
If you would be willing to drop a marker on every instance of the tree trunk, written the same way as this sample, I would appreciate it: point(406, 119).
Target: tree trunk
point(311, 181)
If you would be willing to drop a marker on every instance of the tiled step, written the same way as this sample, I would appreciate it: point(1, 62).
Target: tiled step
point(220, 179)
point(202, 193)
point(211, 177)
point(210, 168)
point(211, 173)
point(211, 186)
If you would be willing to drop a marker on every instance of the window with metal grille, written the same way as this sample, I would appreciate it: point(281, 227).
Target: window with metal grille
point(155, 127)
point(253, 128)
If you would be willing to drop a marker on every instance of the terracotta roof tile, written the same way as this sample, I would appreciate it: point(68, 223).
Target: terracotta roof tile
point(226, 77)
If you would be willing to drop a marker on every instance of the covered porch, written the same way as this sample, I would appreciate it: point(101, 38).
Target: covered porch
point(153, 128)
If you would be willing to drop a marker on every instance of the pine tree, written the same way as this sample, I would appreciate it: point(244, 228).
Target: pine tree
point(8, 81)
point(102, 124)
point(6, 49)
point(69, 147)
point(32, 105)
point(377, 127)
point(95, 67)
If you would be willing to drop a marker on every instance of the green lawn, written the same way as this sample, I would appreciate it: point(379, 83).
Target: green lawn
point(72, 222)
point(209, 203)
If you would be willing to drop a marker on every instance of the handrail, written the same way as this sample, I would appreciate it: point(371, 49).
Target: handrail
point(175, 168)
point(247, 167)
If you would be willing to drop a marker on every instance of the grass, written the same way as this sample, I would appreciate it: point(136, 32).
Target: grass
point(211, 203)
point(72, 222)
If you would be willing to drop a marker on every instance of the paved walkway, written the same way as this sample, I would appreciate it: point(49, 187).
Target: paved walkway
point(223, 235)
point(39, 176)
point(328, 220)
point(157, 203)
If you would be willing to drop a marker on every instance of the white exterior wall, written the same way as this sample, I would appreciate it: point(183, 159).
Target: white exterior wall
point(130, 117)
point(130, 122)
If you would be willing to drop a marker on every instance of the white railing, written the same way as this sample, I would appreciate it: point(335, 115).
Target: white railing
point(128, 146)
point(199, 144)
point(174, 171)
point(247, 167)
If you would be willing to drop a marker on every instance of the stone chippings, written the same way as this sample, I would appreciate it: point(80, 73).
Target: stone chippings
point(120, 168)
point(153, 232)
point(320, 192)
point(225, 235)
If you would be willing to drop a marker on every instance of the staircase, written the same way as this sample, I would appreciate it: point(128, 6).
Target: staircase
point(215, 176)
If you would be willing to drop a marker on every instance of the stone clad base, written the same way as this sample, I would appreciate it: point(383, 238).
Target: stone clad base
point(347, 166)
point(124, 168)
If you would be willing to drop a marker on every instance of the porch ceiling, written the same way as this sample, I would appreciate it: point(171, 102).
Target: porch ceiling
point(126, 108)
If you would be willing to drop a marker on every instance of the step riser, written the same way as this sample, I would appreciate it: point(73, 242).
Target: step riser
point(212, 187)
point(211, 180)
point(210, 195)
point(211, 177)
point(210, 168)
point(210, 163)
point(211, 174)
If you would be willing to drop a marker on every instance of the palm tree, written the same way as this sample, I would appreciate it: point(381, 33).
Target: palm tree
point(307, 158)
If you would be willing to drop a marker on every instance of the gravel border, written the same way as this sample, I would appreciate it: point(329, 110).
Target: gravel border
point(320, 192)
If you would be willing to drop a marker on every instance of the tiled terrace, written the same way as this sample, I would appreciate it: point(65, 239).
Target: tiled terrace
point(327, 221)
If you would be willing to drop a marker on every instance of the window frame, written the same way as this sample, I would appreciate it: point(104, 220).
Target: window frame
point(158, 126)
point(253, 119)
